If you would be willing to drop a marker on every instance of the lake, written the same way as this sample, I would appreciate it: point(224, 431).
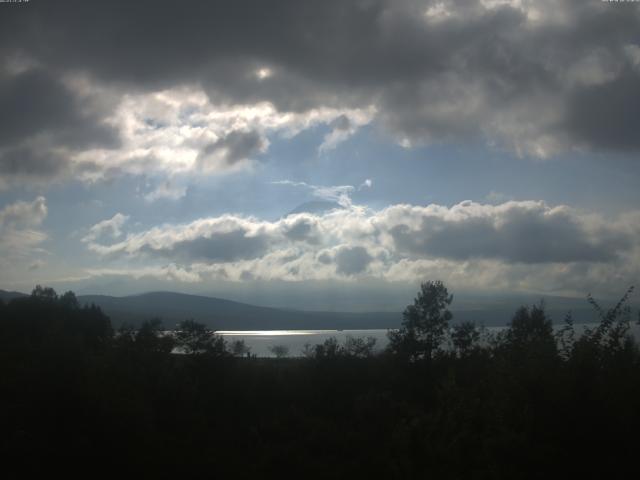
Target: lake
point(259, 341)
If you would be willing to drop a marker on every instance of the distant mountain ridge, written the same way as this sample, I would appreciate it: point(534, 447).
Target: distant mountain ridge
point(221, 314)
point(316, 207)
point(6, 296)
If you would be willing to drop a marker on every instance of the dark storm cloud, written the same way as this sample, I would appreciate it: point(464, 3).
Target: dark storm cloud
point(515, 235)
point(40, 114)
point(35, 102)
point(608, 115)
point(25, 162)
point(524, 76)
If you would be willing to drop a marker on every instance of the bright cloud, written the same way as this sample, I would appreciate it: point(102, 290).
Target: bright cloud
point(19, 232)
point(180, 131)
point(521, 243)
point(196, 121)
point(111, 228)
point(340, 194)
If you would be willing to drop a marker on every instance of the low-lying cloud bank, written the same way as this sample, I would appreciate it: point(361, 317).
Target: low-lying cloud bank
point(513, 245)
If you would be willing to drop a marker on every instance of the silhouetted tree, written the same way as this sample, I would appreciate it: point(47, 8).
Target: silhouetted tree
point(150, 338)
point(424, 323)
point(353, 347)
point(359, 347)
point(239, 348)
point(308, 350)
point(615, 323)
point(611, 337)
point(530, 334)
point(69, 300)
point(566, 337)
point(44, 293)
point(329, 348)
point(502, 412)
point(195, 338)
point(43, 318)
point(465, 336)
point(280, 351)
point(530, 325)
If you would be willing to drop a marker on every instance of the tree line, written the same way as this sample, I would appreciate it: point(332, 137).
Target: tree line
point(443, 399)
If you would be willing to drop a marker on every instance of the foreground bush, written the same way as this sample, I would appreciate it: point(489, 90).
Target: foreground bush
point(518, 405)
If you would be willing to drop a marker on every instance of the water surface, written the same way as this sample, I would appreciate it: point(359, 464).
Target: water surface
point(260, 341)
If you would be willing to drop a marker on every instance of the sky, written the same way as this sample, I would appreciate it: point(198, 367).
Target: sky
point(327, 154)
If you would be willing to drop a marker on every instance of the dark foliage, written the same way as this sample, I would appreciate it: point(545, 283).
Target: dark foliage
point(424, 323)
point(195, 338)
point(465, 337)
point(352, 348)
point(441, 403)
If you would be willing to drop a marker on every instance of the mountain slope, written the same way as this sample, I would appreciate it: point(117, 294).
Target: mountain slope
point(6, 296)
point(228, 315)
point(222, 314)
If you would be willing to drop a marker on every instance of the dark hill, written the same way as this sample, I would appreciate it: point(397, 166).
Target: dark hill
point(228, 315)
point(6, 296)
point(222, 314)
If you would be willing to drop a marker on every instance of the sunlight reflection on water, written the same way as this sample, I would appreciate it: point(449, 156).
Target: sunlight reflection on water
point(260, 341)
point(270, 333)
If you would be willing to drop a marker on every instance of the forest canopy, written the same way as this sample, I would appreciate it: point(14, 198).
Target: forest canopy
point(444, 399)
